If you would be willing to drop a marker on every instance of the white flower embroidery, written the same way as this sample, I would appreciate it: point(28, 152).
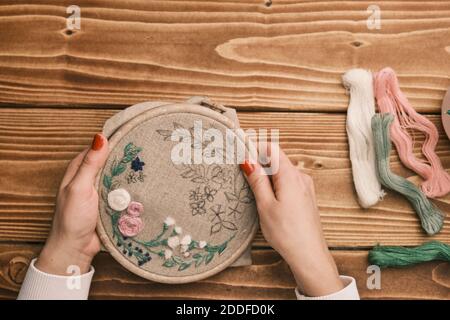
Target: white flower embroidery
point(202, 244)
point(184, 248)
point(167, 254)
point(186, 240)
point(187, 254)
point(173, 242)
point(169, 221)
point(178, 230)
point(119, 199)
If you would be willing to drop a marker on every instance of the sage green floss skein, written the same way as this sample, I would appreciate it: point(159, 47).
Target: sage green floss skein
point(431, 217)
point(393, 256)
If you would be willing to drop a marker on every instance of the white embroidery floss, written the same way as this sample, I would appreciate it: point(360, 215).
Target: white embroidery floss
point(361, 108)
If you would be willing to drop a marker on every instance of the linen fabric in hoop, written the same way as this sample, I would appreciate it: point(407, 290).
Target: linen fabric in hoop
point(182, 223)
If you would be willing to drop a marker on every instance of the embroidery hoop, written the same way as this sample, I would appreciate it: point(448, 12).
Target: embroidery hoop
point(445, 114)
point(211, 111)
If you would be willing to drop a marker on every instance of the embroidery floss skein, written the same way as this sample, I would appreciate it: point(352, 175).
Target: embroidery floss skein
point(391, 99)
point(393, 256)
point(361, 108)
point(431, 218)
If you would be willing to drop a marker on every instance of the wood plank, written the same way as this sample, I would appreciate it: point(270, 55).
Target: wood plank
point(37, 144)
point(268, 278)
point(287, 56)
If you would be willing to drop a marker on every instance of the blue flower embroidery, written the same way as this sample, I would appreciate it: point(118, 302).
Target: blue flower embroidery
point(137, 164)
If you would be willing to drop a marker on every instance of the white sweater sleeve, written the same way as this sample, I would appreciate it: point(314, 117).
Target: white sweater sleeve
point(39, 285)
point(350, 292)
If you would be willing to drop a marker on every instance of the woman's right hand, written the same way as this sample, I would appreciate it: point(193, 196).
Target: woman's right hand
point(290, 222)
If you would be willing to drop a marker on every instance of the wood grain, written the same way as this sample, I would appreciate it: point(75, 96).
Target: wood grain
point(287, 56)
point(37, 144)
point(268, 278)
point(57, 87)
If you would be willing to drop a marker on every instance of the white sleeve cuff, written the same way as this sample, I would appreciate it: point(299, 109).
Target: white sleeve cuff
point(39, 285)
point(350, 292)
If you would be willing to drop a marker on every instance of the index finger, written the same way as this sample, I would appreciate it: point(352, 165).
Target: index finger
point(284, 175)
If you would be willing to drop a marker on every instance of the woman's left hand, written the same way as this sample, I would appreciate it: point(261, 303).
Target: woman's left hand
point(73, 241)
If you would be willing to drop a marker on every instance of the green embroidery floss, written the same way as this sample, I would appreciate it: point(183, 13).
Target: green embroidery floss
point(393, 256)
point(431, 217)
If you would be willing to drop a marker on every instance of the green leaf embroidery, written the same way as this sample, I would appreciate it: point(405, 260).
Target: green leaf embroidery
point(130, 152)
point(209, 257)
point(169, 263)
point(115, 218)
point(118, 169)
point(107, 181)
point(184, 266)
point(222, 248)
point(177, 259)
point(192, 245)
point(197, 256)
point(199, 261)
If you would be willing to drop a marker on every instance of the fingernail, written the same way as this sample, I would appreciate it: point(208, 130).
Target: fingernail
point(97, 143)
point(247, 167)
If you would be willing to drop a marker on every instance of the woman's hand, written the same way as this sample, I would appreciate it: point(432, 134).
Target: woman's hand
point(290, 222)
point(72, 240)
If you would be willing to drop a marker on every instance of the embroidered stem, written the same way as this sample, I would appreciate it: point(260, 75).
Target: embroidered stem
point(199, 257)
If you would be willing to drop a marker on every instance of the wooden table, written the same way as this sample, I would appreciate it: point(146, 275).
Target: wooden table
point(279, 64)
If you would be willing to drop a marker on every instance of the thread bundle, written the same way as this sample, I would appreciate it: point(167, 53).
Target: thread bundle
point(391, 99)
point(374, 141)
point(393, 256)
point(362, 153)
point(431, 218)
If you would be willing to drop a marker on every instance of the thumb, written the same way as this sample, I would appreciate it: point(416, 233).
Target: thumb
point(93, 161)
point(259, 183)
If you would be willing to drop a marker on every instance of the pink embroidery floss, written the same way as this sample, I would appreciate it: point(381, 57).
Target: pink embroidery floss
point(391, 99)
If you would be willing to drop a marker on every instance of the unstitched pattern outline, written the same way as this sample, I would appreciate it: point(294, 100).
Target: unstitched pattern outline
point(209, 181)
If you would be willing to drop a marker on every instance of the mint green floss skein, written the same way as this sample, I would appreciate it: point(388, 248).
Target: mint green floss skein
point(430, 216)
point(393, 256)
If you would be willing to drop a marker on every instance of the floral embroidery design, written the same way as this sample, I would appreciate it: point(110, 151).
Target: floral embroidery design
point(169, 245)
point(137, 164)
point(134, 177)
point(209, 181)
point(135, 209)
point(129, 223)
point(219, 221)
point(130, 226)
point(136, 173)
point(119, 199)
point(198, 207)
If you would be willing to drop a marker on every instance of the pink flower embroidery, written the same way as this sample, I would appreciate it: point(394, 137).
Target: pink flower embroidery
point(135, 209)
point(130, 226)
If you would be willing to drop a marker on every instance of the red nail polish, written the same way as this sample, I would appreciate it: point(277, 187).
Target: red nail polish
point(247, 167)
point(97, 143)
